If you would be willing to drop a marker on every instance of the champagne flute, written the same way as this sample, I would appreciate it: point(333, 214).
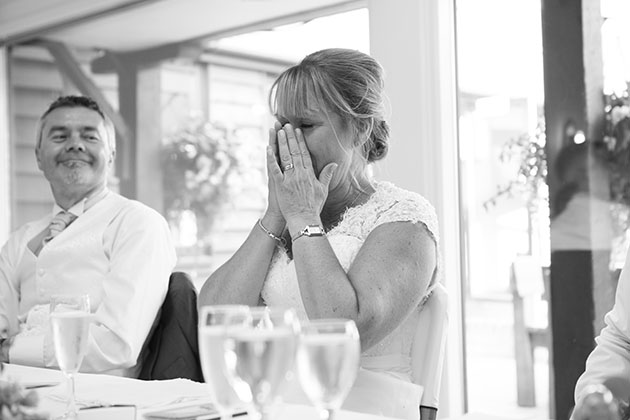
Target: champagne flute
point(70, 320)
point(213, 323)
point(327, 362)
point(260, 355)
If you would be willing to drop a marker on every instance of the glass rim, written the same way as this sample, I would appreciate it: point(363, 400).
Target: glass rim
point(272, 308)
point(328, 321)
point(77, 301)
point(225, 309)
point(61, 314)
point(221, 307)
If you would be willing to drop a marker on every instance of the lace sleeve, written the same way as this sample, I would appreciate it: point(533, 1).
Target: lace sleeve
point(411, 208)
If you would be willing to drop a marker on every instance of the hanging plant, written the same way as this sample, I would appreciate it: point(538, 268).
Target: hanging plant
point(201, 167)
point(17, 403)
point(617, 141)
point(530, 180)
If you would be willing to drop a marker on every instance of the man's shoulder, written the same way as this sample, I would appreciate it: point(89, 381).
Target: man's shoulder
point(37, 224)
point(128, 206)
point(24, 232)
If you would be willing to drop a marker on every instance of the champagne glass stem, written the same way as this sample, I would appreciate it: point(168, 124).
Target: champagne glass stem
point(259, 413)
point(327, 414)
point(71, 410)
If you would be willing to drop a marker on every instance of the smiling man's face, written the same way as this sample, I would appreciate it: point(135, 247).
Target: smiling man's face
point(74, 153)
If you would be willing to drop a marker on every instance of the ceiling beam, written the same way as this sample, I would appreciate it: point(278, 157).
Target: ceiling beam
point(267, 24)
point(30, 34)
point(109, 62)
point(194, 49)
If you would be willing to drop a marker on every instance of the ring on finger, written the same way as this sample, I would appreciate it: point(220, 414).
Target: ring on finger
point(287, 167)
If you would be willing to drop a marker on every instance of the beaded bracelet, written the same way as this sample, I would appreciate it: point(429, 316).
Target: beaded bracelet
point(269, 233)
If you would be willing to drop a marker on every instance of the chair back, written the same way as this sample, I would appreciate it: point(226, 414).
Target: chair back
point(428, 348)
point(172, 351)
point(529, 284)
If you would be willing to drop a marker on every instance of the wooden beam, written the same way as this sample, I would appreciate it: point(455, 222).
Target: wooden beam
point(149, 189)
point(573, 79)
point(5, 149)
point(128, 106)
point(69, 66)
point(110, 61)
point(31, 32)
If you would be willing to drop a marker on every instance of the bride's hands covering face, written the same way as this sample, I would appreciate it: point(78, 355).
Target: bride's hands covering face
point(299, 192)
point(273, 208)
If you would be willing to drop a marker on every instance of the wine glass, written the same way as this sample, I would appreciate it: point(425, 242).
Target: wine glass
point(260, 355)
point(327, 362)
point(213, 323)
point(70, 320)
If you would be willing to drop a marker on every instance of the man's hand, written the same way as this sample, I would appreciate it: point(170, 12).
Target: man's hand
point(5, 345)
point(597, 403)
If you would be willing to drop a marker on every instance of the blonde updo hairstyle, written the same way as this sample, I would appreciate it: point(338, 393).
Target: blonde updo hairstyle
point(346, 82)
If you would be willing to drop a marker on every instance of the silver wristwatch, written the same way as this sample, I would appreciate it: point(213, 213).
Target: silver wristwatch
point(310, 230)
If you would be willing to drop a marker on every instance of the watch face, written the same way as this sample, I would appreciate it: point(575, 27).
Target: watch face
point(314, 230)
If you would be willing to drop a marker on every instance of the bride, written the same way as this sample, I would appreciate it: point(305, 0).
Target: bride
point(333, 242)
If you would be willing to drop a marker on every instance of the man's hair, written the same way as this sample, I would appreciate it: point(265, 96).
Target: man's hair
point(74, 101)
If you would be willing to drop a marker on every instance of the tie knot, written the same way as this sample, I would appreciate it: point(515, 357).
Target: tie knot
point(59, 223)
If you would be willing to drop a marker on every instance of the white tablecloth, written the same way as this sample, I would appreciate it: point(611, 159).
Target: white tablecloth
point(147, 396)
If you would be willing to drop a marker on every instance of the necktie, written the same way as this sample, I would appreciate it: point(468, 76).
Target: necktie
point(58, 223)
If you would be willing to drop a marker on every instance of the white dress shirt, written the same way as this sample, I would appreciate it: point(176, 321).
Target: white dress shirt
point(611, 356)
point(119, 252)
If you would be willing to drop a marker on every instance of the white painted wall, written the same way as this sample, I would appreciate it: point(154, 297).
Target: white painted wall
point(5, 158)
point(415, 43)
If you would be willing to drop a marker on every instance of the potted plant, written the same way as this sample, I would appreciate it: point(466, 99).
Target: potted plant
point(530, 179)
point(17, 403)
point(201, 170)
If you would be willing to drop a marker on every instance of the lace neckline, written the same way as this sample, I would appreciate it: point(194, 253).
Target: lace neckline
point(350, 208)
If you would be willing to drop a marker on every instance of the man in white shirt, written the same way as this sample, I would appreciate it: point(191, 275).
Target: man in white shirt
point(609, 362)
point(116, 250)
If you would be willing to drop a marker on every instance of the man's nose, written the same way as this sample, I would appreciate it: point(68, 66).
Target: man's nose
point(75, 142)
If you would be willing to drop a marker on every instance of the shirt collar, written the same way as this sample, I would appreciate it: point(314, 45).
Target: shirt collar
point(83, 205)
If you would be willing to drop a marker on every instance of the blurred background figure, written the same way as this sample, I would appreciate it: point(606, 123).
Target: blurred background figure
point(582, 221)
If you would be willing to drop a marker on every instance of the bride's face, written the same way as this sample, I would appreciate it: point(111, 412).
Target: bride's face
point(328, 138)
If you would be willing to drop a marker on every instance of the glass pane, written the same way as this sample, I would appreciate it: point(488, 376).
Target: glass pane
point(505, 206)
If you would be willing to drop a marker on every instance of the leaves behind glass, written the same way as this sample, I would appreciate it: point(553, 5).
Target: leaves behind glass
point(528, 151)
point(201, 170)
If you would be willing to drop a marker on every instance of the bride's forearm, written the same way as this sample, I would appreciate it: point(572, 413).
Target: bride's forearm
point(240, 279)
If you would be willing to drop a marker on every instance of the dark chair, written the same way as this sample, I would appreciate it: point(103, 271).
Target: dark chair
point(172, 351)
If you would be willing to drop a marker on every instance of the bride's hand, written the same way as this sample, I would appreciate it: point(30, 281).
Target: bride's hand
point(273, 209)
point(300, 194)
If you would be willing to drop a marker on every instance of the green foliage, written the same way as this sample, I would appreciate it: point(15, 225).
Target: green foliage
point(16, 403)
point(617, 141)
point(531, 174)
point(201, 169)
point(613, 147)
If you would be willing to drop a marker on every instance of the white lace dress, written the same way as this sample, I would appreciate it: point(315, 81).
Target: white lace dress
point(387, 363)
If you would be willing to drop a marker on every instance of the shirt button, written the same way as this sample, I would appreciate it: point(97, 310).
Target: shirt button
point(41, 271)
